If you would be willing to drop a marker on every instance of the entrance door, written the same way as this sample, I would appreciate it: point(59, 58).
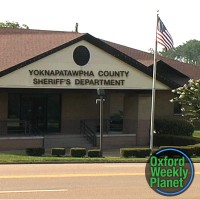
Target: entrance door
point(43, 111)
point(33, 109)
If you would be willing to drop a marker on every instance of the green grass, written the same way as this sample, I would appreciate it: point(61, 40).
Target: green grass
point(20, 158)
point(196, 160)
point(196, 134)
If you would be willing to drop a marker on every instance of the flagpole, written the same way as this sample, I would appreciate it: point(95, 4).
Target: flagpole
point(153, 89)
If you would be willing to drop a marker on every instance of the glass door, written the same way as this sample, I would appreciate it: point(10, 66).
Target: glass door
point(33, 109)
point(43, 111)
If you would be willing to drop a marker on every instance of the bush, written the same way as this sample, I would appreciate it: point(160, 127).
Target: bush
point(174, 127)
point(196, 149)
point(134, 152)
point(174, 140)
point(94, 153)
point(78, 152)
point(188, 150)
point(162, 140)
point(35, 151)
point(196, 140)
point(182, 140)
point(58, 151)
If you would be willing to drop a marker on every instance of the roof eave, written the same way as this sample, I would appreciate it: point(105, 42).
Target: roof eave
point(100, 44)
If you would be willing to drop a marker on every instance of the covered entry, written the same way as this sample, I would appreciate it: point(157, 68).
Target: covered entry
point(42, 111)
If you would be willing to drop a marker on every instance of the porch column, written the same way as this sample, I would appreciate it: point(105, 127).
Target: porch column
point(130, 115)
point(144, 117)
point(137, 110)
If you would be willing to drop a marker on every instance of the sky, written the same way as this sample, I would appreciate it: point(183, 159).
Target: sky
point(127, 22)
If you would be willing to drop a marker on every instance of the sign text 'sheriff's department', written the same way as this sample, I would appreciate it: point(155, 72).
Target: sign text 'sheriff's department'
point(79, 77)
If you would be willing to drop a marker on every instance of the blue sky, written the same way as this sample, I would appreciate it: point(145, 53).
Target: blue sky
point(128, 22)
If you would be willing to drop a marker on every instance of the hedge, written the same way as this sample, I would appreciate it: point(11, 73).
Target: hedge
point(94, 153)
point(58, 151)
point(35, 151)
point(190, 150)
point(196, 149)
point(173, 140)
point(78, 152)
point(174, 126)
point(134, 152)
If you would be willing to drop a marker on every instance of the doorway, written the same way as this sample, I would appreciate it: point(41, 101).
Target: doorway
point(43, 111)
point(33, 109)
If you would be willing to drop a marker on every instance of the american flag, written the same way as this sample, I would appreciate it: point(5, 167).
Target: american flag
point(163, 36)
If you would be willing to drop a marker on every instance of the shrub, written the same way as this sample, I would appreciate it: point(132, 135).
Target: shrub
point(196, 149)
point(134, 152)
point(94, 153)
point(196, 140)
point(181, 140)
point(170, 153)
point(78, 152)
point(162, 140)
point(58, 151)
point(174, 127)
point(35, 151)
point(188, 150)
point(174, 140)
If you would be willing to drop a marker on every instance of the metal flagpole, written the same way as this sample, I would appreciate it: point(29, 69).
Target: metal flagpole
point(153, 90)
point(101, 126)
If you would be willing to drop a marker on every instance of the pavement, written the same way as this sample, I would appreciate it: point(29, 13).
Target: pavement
point(83, 181)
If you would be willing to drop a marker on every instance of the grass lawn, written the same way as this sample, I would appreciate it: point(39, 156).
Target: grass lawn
point(196, 160)
point(196, 134)
point(20, 158)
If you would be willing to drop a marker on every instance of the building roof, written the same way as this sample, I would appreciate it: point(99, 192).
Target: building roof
point(19, 47)
point(145, 58)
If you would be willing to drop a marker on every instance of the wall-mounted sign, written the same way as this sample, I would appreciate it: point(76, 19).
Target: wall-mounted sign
point(78, 77)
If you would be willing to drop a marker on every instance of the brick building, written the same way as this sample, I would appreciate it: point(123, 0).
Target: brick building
point(48, 87)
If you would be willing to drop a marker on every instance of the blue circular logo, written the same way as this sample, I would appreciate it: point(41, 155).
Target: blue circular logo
point(169, 172)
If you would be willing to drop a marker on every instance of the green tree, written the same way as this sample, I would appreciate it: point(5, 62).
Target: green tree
point(188, 52)
point(8, 24)
point(189, 98)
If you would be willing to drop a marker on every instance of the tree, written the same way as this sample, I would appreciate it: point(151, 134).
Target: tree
point(189, 52)
point(8, 24)
point(189, 98)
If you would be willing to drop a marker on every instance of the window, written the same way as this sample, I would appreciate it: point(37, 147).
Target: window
point(14, 106)
point(53, 113)
point(43, 111)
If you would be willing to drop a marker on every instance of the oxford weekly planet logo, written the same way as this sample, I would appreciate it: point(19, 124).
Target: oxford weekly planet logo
point(169, 172)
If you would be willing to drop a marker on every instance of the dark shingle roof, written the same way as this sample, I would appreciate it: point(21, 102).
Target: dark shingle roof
point(18, 46)
point(146, 59)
